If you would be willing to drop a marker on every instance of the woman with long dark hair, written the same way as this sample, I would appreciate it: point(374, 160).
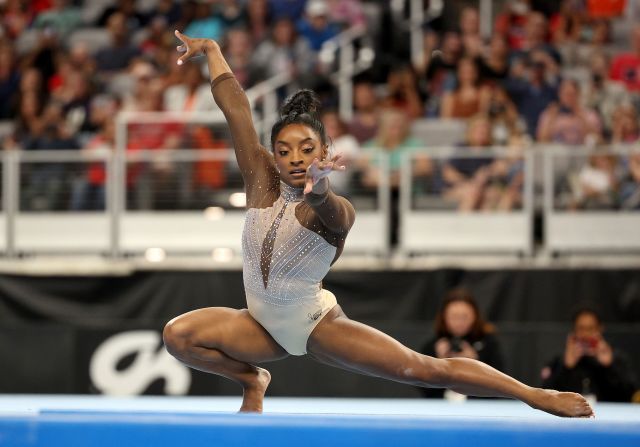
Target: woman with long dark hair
point(294, 230)
point(461, 331)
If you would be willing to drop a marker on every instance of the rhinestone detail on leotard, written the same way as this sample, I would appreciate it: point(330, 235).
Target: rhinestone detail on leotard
point(299, 257)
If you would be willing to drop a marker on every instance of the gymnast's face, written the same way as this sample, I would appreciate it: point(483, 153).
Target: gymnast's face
point(295, 148)
point(459, 318)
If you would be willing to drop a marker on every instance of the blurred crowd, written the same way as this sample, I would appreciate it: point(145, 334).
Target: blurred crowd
point(551, 72)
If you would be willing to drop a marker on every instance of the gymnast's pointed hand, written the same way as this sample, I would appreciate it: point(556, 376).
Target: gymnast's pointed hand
point(318, 170)
point(192, 47)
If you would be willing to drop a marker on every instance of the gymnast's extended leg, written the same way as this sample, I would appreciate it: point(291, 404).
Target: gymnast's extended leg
point(351, 345)
point(226, 342)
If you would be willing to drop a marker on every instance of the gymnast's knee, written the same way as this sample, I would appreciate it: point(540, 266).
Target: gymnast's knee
point(177, 337)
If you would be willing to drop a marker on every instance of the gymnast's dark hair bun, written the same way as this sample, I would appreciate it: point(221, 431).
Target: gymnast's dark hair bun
point(303, 107)
point(303, 101)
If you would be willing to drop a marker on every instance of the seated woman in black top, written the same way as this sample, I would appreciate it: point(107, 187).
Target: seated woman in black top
point(462, 332)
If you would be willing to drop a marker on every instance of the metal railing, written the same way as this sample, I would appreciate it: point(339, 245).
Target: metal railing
point(189, 201)
point(436, 219)
point(584, 199)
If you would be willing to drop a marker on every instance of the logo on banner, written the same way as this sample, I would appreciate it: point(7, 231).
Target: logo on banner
point(150, 363)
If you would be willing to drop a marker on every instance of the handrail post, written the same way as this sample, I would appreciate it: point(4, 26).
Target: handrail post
point(10, 197)
point(415, 22)
point(345, 88)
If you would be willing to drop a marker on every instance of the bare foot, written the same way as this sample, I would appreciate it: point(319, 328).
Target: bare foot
point(253, 395)
point(562, 404)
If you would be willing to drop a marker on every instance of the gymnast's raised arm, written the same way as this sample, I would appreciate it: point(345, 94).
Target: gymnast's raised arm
point(255, 162)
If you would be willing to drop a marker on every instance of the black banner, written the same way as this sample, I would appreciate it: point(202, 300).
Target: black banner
point(103, 334)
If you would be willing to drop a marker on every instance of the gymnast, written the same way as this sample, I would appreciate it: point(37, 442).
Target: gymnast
point(295, 228)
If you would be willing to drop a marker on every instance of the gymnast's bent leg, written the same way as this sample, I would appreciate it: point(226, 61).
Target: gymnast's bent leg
point(348, 344)
point(225, 342)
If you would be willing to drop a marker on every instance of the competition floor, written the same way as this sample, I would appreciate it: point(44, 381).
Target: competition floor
point(69, 421)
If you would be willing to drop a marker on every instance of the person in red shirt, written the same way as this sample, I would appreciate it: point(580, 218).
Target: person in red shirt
point(625, 67)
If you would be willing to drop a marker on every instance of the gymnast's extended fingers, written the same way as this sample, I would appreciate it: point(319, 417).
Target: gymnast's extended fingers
point(337, 166)
point(184, 48)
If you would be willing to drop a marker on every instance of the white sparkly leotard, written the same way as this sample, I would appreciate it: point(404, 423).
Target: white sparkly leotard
point(289, 239)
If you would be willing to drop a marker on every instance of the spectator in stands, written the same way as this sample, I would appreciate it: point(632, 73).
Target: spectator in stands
point(507, 127)
point(493, 65)
point(596, 184)
point(119, 54)
point(530, 88)
point(364, 124)
point(27, 124)
point(601, 94)
point(258, 20)
point(156, 36)
point(9, 81)
point(192, 94)
point(316, 25)
point(565, 26)
point(81, 59)
point(142, 94)
point(469, 24)
point(469, 97)
point(568, 121)
point(205, 24)
point(88, 191)
point(625, 128)
point(625, 67)
point(482, 182)
point(460, 331)
point(237, 50)
point(535, 38)
point(15, 17)
point(402, 92)
point(134, 19)
point(284, 52)
point(590, 365)
point(291, 9)
point(441, 67)
point(170, 11)
point(512, 21)
point(394, 140)
point(46, 181)
point(75, 96)
point(630, 184)
point(344, 144)
point(347, 13)
point(231, 14)
point(63, 18)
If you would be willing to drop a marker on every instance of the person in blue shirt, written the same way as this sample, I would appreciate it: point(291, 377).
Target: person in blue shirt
point(316, 26)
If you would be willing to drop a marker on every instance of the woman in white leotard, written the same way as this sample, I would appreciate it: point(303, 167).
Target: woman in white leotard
point(294, 230)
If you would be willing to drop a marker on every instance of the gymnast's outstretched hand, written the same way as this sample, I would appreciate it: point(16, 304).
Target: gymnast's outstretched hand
point(192, 47)
point(318, 170)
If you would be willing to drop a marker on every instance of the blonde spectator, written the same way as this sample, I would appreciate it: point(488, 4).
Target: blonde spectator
point(469, 97)
point(393, 139)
